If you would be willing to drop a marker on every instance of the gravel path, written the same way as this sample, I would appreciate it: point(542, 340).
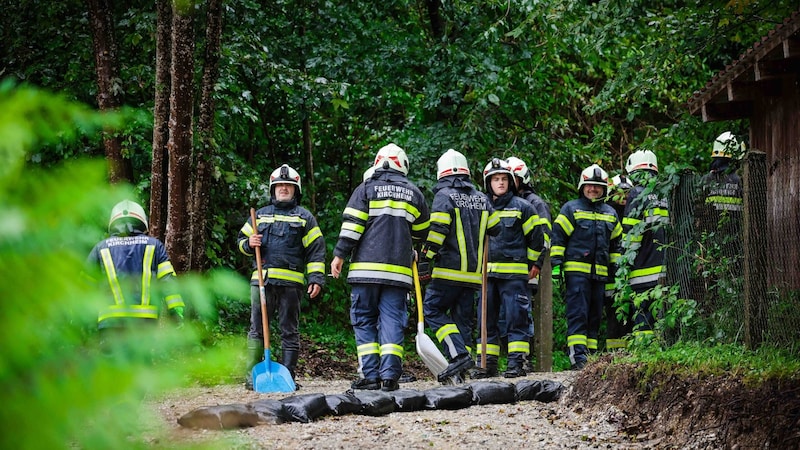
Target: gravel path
point(528, 424)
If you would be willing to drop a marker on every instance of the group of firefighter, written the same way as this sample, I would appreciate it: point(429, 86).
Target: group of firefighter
point(493, 241)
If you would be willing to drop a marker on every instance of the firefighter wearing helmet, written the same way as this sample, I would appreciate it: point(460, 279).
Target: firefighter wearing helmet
point(132, 264)
point(460, 219)
point(292, 255)
point(382, 219)
point(523, 182)
point(513, 260)
point(722, 187)
point(586, 238)
point(644, 222)
point(619, 186)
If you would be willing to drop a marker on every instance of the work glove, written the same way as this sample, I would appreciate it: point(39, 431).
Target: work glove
point(424, 271)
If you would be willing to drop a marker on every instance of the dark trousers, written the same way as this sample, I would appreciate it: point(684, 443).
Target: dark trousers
point(283, 300)
point(449, 311)
point(379, 315)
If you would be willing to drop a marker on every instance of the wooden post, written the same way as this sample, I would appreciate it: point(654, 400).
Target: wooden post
point(754, 238)
point(543, 320)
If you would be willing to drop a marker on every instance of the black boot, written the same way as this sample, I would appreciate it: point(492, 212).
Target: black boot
point(515, 367)
point(290, 361)
point(488, 372)
point(460, 364)
point(255, 354)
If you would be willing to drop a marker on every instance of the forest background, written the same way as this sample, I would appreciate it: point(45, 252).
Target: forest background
point(207, 98)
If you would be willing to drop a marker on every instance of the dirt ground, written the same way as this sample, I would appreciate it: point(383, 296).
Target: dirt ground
point(603, 406)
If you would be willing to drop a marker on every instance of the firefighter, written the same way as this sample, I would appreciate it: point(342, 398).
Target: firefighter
point(722, 193)
point(586, 236)
point(383, 217)
point(522, 181)
point(292, 252)
point(133, 264)
point(618, 188)
point(647, 240)
point(459, 221)
point(513, 257)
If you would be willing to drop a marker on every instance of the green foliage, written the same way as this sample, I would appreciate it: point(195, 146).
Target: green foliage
point(59, 389)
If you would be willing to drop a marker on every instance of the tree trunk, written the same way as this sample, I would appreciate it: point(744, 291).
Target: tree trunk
point(160, 166)
point(308, 149)
point(101, 22)
point(435, 17)
point(180, 136)
point(204, 156)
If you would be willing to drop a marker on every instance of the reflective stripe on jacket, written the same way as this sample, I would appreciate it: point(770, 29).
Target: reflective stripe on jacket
point(520, 240)
point(586, 238)
point(292, 246)
point(382, 218)
point(648, 266)
point(130, 264)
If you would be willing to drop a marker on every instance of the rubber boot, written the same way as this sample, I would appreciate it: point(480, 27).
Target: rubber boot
point(490, 370)
point(255, 354)
point(290, 361)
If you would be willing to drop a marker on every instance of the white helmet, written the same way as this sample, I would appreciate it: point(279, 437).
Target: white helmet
point(593, 174)
point(130, 210)
point(642, 159)
point(519, 169)
point(725, 145)
point(284, 174)
point(494, 167)
point(451, 163)
point(368, 173)
point(620, 182)
point(392, 157)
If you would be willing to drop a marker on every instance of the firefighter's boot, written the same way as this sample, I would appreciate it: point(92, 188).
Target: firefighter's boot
point(488, 372)
point(255, 354)
point(290, 361)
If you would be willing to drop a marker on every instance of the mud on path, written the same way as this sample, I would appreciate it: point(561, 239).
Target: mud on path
point(603, 406)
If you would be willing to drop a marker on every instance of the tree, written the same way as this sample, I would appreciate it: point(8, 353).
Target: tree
point(160, 162)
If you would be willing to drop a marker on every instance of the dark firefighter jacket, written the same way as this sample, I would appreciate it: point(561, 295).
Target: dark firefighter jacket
point(131, 265)
point(384, 215)
point(545, 220)
point(461, 217)
point(292, 246)
point(520, 241)
point(646, 239)
point(586, 238)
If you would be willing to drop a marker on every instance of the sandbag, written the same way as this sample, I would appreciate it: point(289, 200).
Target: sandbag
point(408, 400)
point(492, 392)
point(305, 407)
point(269, 411)
point(448, 397)
point(220, 417)
point(541, 390)
point(341, 404)
point(373, 403)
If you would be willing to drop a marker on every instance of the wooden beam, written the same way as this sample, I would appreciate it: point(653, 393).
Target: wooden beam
point(768, 69)
point(739, 91)
point(715, 112)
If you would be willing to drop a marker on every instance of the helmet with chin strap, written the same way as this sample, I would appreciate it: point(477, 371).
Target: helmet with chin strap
point(725, 145)
point(595, 175)
point(285, 174)
point(496, 167)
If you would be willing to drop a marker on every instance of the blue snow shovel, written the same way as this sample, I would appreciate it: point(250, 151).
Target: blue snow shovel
point(268, 375)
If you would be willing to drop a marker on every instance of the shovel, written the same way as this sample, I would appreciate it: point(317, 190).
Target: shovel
point(426, 348)
point(268, 375)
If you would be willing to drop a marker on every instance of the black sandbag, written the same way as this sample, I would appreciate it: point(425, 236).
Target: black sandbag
point(269, 411)
point(220, 417)
point(305, 407)
point(541, 390)
point(448, 397)
point(341, 404)
point(408, 400)
point(373, 403)
point(492, 392)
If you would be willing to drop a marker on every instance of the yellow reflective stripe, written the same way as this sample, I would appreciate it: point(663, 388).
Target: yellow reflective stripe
point(582, 267)
point(647, 271)
point(519, 347)
point(147, 272)
point(457, 275)
point(315, 267)
point(370, 348)
point(530, 224)
point(280, 218)
point(642, 333)
point(351, 226)
point(442, 218)
point(381, 267)
point(491, 349)
point(395, 208)
point(392, 349)
point(435, 237)
point(421, 226)
point(493, 221)
point(614, 257)
point(586, 215)
point(111, 274)
point(724, 199)
point(630, 221)
point(462, 242)
point(164, 269)
point(134, 311)
point(505, 267)
point(576, 339)
point(311, 236)
point(533, 255)
point(615, 344)
point(174, 300)
point(557, 251)
point(446, 330)
point(617, 232)
point(247, 229)
point(285, 274)
point(512, 214)
point(565, 224)
point(591, 344)
point(357, 213)
point(483, 227)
